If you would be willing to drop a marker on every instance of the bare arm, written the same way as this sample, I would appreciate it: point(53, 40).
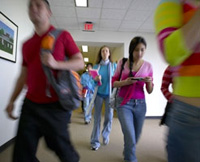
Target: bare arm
point(125, 82)
point(74, 63)
point(18, 88)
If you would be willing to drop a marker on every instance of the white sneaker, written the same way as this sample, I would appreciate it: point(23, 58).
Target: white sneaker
point(94, 148)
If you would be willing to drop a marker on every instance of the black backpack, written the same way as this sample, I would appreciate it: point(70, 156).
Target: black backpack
point(67, 84)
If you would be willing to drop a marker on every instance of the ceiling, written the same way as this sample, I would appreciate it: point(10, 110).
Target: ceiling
point(106, 15)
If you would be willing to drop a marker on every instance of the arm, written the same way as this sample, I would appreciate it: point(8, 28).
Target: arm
point(149, 79)
point(149, 85)
point(177, 40)
point(125, 82)
point(166, 81)
point(18, 88)
point(74, 63)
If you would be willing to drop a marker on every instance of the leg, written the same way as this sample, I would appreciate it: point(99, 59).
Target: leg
point(86, 104)
point(88, 116)
point(97, 122)
point(184, 129)
point(107, 122)
point(27, 136)
point(126, 118)
point(139, 112)
point(54, 122)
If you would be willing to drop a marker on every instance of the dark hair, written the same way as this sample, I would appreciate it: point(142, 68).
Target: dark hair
point(89, 63)
point(99, 57)
point(133, 44)
point(47, 3)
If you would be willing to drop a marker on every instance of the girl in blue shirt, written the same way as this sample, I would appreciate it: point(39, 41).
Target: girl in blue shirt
point(106, 70)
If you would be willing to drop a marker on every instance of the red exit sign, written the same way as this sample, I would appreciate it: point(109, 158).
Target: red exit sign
point(88, 26)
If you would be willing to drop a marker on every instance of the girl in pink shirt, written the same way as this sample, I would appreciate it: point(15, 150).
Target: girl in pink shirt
point(131, 105)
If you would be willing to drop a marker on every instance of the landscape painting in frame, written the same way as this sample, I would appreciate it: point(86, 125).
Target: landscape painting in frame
point(8, 38)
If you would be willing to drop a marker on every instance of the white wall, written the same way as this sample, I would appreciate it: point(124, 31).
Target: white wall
point(15, 10)
point(155, 101)
point(118, 53)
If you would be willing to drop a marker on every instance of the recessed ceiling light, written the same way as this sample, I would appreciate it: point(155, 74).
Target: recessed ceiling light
point(81, 3)
point(84, 48)
point(86, 59)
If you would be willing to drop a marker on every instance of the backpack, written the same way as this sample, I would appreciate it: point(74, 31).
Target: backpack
point(113, 97)
point(66, 84)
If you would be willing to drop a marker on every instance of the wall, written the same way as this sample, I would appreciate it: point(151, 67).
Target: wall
point(118, 53)
point(16, 11)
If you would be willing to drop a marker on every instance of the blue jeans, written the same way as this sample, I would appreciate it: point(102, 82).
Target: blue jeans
point(97, 121)
point(131, 117)
point(86, 103)
point(183, 143)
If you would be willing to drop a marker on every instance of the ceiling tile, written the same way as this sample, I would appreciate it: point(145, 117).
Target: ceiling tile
point(112, 14)
point(120, 4)
point(95, 3)
point(130, 26)
point(88, 12)
point(67, 23)
point(63, 11)
point(136, 15)
point(68, 3)
point(109, 24)
point(144, 4)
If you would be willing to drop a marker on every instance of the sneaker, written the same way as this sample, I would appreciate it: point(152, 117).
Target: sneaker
point(87, 122)
point(94, 148)
point(105, 141)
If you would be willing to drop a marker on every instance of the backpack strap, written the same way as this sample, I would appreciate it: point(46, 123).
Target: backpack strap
point(48, 45)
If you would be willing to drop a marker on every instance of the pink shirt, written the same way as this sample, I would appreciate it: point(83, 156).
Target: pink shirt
point(136, 88)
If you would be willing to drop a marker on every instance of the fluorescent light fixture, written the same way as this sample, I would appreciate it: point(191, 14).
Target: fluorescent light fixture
point(84, 48)
point(81, 3)
point(86, 59)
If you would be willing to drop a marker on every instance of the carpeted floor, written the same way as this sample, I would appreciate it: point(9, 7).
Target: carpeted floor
point(151, 147)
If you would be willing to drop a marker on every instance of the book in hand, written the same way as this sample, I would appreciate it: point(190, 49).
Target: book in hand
point(94, 73)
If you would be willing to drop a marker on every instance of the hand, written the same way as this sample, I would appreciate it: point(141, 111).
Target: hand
point(48, 60)
point(9, 109)
point(97, 78)
point(147, 79)
point(130, 80)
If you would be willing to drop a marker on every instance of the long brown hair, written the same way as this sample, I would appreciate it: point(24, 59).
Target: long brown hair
point(99, 57)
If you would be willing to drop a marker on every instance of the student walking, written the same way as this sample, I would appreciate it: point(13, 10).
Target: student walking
point(131, 105)
point(106, 70)
point(88, 87)
point(41, 115)
point(177, 27)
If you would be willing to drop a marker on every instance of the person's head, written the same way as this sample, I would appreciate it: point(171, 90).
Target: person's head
point(39, 11)
point(89, 66)
point(104, 54)
point(137, 49)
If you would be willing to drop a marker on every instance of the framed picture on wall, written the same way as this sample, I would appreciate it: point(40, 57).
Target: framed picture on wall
point(8, 38)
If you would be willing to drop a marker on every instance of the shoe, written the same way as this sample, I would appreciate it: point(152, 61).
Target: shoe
point(87, 122)
point(105, 141)
point(94, 148)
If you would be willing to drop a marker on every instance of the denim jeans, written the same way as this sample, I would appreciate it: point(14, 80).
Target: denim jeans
point(48, 121)
point(97, 121)
point(183, 143)
point(86, 103)
point(131, 117)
